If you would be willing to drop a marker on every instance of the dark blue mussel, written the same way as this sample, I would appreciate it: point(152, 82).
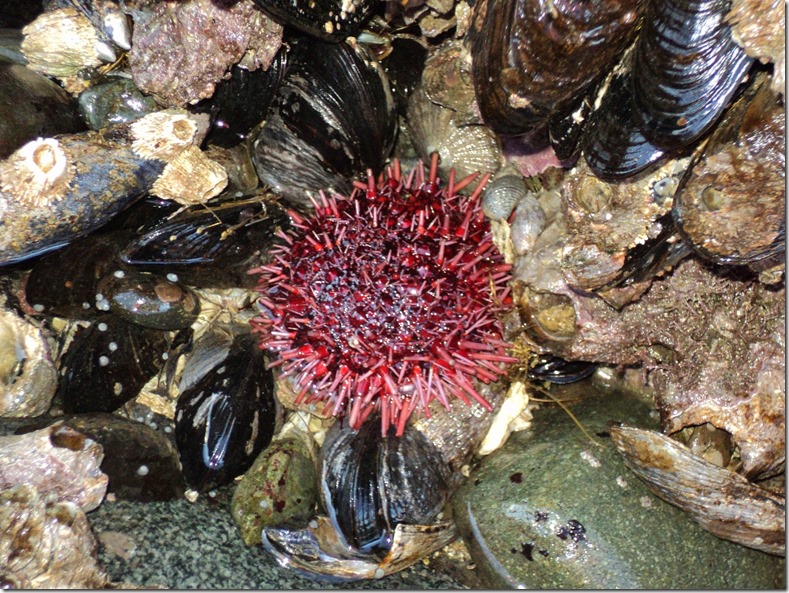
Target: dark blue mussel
point(670, 91)
point(64, 282)
point(558, 370)
point(226, 417)
point(533, 60)
point(149, 300)
point(209, 245)
point(241, 102)
point(613, 143)
point(370, 484)
point(334, 118)
point(86, 279)
point(107, 363)
point(141, 462)
point(330, 20)
point(688, 68)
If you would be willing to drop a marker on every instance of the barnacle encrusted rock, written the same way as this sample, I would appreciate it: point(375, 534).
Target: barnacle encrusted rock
point(46, 544)
point(714, 345)
point(181, 50)
point(27, 374)
point(60, 462)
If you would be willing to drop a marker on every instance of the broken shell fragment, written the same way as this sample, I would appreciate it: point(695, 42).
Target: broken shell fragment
point(190, 178)
point(720, 500)
point(319, 552)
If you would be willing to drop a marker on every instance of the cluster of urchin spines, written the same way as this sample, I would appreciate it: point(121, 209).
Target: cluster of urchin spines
point(311, 348)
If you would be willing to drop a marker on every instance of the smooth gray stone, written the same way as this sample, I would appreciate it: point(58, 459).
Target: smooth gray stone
point(32, 106)
point(552, 510)
point(114, 101)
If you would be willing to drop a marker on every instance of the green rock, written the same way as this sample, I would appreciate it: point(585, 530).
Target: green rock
point(552, 510)
point(279, 489)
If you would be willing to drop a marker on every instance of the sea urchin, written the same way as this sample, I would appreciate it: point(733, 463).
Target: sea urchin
point(387, 299)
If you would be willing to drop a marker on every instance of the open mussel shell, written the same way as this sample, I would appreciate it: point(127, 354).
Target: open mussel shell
point(209, 244)
point(227, 417)
point(688, 66)
point(334, 118)
point(330, 20)
point(371, 483)
point(720, 500)
point(318, 552)
point(533, 59)
point(107, 363)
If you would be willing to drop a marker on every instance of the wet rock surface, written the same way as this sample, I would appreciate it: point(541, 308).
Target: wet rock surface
point(553, 510)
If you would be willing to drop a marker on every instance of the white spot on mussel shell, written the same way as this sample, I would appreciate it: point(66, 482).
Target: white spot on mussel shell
point(39, 308)
point(102, 327)
point(104, 361)
point(112, 346)
point(119, 273)
point(142, 470)
point(172, 277)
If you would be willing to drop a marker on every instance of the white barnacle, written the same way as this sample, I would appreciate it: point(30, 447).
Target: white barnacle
point(38, 173)
point(162, 135)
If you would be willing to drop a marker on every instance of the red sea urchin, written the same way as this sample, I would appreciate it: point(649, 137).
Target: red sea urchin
point(387, 299)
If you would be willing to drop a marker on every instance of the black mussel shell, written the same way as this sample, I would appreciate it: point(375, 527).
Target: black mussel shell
point(531, 60)
point(225, 419)
point(147, 299)
point(688, 66)
point(334, 118)
point(403, 67)
point(107, 363)
point(64, 282)
point(330, 20)
point(613, 144)
point(558, 370)
point(241, 102)
point(209, 245)
point(565, 130)
point(370, 483)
